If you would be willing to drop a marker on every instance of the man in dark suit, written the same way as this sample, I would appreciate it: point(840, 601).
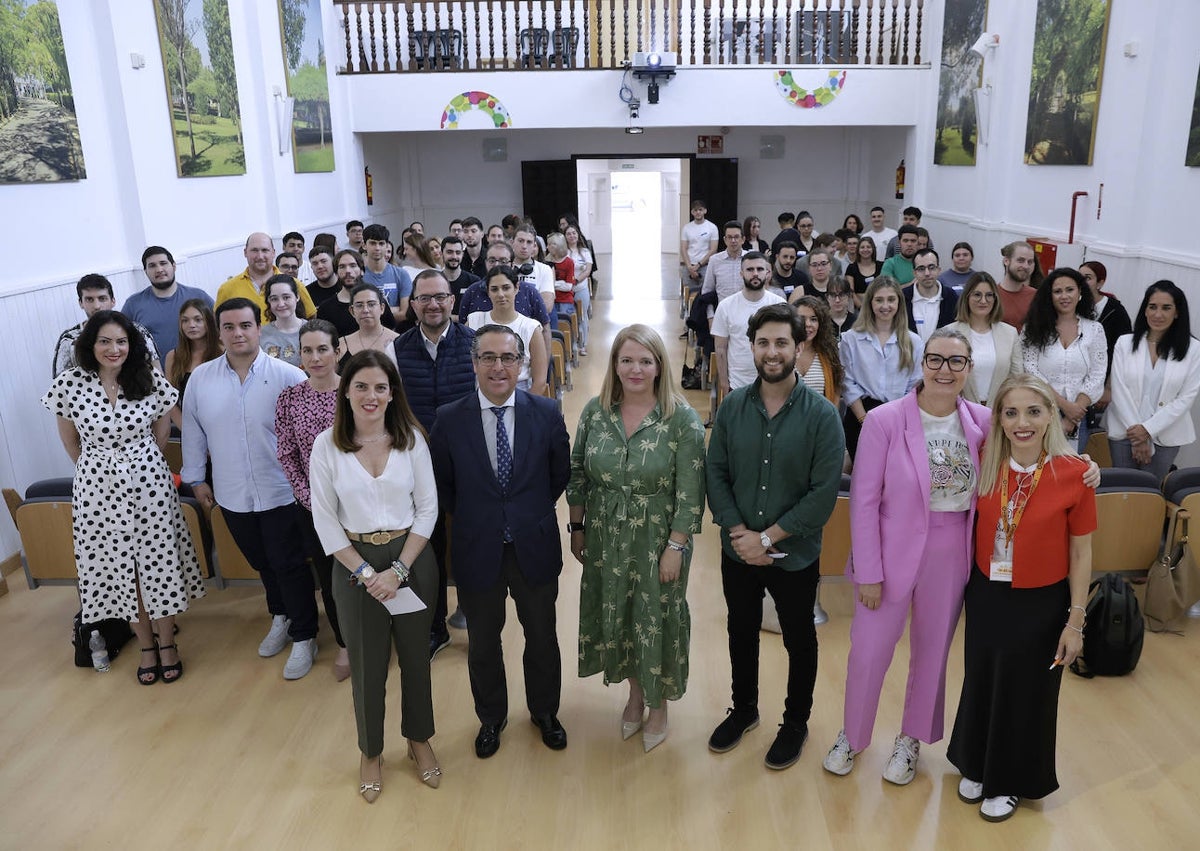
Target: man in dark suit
point(929, 303)
point(502, 459)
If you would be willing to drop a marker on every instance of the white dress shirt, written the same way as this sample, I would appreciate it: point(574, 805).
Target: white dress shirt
point(489, 424)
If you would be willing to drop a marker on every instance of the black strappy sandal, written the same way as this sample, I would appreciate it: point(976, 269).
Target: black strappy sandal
point(154, 671)
point(176, 669)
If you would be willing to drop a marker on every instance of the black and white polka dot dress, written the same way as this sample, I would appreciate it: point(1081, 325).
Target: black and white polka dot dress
point(129, 531)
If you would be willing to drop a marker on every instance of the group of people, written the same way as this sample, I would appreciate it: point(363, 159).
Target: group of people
point(380, 449)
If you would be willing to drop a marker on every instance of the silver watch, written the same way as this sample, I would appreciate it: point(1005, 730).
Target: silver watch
point(766, 540)
point(367, 573)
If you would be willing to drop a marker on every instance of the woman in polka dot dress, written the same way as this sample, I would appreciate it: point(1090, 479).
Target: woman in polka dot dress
point(133, 551)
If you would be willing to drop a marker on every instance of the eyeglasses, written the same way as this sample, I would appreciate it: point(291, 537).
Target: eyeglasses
point(490, 358)
point(957, 363)
point(983, 295)
point(360, 306)
point(819, 264)
point(832, 296)
point(440, 298)
point(932, 267)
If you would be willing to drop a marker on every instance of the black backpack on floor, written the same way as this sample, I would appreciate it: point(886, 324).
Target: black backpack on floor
point(1112, 641)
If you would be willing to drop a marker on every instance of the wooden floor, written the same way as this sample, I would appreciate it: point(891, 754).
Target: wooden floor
point(234, 756)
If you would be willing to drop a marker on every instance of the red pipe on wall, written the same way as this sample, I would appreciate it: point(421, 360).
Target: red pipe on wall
point(1075, 196)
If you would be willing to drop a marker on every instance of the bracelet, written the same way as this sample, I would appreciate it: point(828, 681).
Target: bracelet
point(1077, 629)
point(1081, 608)
point(361, 568)
point(676, 546)
point(401, 570)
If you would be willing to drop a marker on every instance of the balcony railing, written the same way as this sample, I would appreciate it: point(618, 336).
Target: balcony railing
point(415, 36)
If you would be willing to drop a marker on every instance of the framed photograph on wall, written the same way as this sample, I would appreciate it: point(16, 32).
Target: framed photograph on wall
point(1193, 148)
point(1064, 90)
point(304, 61)
point(202, 95)
point(961, 74)
point(39, 134)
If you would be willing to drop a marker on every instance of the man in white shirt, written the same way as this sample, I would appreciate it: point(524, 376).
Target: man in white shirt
point(930, 303)
point(697, 243)
point(880, 235)
point(724, 274)
point(530, 271)
point(735, 359)
point(229, 414)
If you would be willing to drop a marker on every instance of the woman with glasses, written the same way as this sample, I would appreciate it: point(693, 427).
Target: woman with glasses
point(367, 305)
point(912, 503)
point(995, 353)
point(839, 297)
point(501, 286)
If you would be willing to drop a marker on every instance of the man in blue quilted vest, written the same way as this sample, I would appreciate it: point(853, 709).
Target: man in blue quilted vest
point(435, 364)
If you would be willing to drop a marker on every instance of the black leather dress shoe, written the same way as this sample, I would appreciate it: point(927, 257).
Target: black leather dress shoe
point(553, 734)
point(488, 740)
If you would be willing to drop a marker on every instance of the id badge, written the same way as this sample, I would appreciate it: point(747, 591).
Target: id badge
point(1001, 571)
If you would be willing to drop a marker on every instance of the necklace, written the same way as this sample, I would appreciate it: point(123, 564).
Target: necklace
point(377, 338)
point(376, 439)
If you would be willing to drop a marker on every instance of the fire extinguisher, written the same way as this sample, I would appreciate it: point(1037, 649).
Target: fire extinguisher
point(370, 186)
point(900, 181)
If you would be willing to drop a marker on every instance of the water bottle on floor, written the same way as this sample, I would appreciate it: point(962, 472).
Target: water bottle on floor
point(99, 650)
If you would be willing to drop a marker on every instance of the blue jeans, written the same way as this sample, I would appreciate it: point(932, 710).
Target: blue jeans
point(1160, 461)
point(583, 303)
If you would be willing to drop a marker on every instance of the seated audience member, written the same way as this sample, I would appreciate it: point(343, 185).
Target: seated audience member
point(826, 242)
point(95, 293)
point(157, 307)
point(865, 268)
point(848, 252)
point(368, 307)
point(475, 298)
point(787, 232)
point(531, 271)
point(434, 246)
point(804, 227)
point(348, 266)
point(929, 304)
point(854, 223)
point(578, 251)
point(455, 228)
point(259, 252)
point(288, 264)
point(495, 234)
point(900, 265)
point(325, 284)
point(281, 335)
point(394, 282)
point(198, 343)
point(564, 274)
point(751, 236)
point(818, 362)
point(786, 279)
point(840, 299)
point(502, 290)
point(819, 264)
point(1155, 379)
point(994, 351)
point(961, 258)
point(452, 258)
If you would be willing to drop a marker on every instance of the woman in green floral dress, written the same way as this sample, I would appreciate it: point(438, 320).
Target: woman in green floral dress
point(636, 497)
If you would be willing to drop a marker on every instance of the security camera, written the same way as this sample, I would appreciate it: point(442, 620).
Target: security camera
point(634, 106)
point(984, 43)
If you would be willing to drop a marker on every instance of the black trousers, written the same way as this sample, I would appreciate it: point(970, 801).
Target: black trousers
point(323, 565)
point(485, 611)
point(795, 593)
point(853, 428)
point(273, 543)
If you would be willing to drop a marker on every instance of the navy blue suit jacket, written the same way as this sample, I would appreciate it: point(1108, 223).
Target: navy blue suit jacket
point(947, 310)
point(468, 489)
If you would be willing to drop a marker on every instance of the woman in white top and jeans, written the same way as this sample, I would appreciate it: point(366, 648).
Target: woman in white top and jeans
point(374, 504)
point(1067, 349)
point(578, 251)
point(1155, 379)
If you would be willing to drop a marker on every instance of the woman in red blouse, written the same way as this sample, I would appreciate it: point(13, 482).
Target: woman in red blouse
point(1024, 602)
point(301, 413)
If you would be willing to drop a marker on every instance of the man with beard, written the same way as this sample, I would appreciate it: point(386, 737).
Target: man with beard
point(434, 360)
point(785, 277)
point(773, 470)
point(325, 283)
point(900, 266)
point(259, 252)
point(473, 257)
point(452, 258)
point(735, 360)
point(1016, 294)
point(157, 306)
point(348, 266)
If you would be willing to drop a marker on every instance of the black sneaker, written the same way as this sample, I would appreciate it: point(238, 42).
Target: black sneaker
point(787, 746)
point(438, 641)
point(730, 731)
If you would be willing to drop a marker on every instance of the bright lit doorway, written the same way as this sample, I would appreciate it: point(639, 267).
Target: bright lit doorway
point(636, 204)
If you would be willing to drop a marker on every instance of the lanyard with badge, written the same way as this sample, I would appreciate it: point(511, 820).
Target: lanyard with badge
point(1010, 518)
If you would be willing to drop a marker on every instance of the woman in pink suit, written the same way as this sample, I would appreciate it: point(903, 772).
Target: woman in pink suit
point(912, 506)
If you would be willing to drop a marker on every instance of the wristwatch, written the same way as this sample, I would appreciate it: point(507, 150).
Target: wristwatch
point(576, 527)
point(766, 540)
point(365, 572)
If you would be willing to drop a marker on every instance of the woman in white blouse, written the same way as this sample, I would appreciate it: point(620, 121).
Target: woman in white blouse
point(374, 504)
point(1064, 347)
point(993, 343)
point(1155, 378)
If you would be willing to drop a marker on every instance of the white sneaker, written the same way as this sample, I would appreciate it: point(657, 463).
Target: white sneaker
point(840, 759)
point(999, 809)
point(300, 661)
point(1194, 611)
point(277, 638)
point(970, 792)
point(902, 767)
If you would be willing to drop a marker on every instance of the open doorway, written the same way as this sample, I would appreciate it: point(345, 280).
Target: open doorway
point(636, 205)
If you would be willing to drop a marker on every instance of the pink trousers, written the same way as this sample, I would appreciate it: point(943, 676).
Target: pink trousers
point(935, 601)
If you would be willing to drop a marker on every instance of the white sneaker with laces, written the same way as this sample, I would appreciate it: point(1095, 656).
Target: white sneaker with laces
point(970, 792)
point(1000, 808)
point(840, 759)
point(277, 638)
point(902, 767)
point(300, 661)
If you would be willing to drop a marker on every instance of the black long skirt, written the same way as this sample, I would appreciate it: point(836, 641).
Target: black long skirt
point(1004, 733)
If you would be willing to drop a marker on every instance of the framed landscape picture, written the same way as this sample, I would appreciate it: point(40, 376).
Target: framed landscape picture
point(202, 95)
point(1193, 148)
point(304, 58)
point(1064, 91)
point(961, 73)
point(39, 134)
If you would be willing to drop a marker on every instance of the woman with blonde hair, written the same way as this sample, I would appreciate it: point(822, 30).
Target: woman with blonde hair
point(1025, 600)
point(881, 356)
point(636, 498)
point(993, 342)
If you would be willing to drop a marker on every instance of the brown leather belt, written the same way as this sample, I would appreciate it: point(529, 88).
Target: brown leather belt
point(377, 538)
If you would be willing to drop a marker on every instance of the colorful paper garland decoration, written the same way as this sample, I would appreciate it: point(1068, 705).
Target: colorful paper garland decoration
point(488, 104)
point(823, 95)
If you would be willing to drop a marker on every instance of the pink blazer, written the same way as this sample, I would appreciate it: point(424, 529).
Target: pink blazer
point(889, 494)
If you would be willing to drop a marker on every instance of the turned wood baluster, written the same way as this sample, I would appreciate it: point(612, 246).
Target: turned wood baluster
point(503, 34)
point(854, 32)
point(903, 46)
point(558, 57)
point(349, 52)
point(826, 30)
point(371, 33)
point(653, 26)
point(397, 44)
point(639, 26)
point(920, 15)
point(788, 53)
point(625, 5)
point(774, 30)
point(867, 41)
point(707, 30)
point(383, 39)
point(879, 35)
point(721, 33)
